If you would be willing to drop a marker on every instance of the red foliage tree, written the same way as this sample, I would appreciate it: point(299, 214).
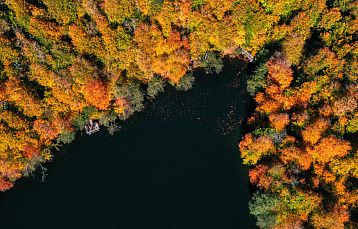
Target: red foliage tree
point(5, 184)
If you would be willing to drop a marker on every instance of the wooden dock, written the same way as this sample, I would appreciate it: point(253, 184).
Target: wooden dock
point(247, 54)
point(92, 128)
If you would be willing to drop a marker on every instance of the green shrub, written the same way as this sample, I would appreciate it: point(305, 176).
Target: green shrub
point(133, 94)
point(212, 63)
point(107, 118)
point(185, 83)
point(263, 207)
point(66, 137)
point(256, 82)
point(81, 120)
point(155, 85)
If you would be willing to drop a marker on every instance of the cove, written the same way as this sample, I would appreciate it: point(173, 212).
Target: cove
point(174, 165)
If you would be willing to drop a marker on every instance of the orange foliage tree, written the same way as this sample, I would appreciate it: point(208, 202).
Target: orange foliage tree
point(96, 94)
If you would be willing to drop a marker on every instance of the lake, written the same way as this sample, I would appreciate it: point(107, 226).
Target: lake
point(174, 165)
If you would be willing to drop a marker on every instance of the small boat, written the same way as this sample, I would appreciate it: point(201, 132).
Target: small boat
point(92, 127)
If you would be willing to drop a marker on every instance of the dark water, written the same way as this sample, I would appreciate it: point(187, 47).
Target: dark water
point(174, 165)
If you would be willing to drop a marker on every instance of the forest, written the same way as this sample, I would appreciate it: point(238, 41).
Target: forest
point(65, 62)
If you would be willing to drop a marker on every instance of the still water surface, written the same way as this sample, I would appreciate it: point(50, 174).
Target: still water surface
point(174, 165)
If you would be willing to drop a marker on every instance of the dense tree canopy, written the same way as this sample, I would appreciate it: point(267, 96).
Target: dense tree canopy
point(64, 62)
point(306, 95)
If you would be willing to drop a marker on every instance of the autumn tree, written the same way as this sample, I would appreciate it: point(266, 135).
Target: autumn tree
point(5, 184)
point(167, 57)
point(63, 63)
point(96, 94)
